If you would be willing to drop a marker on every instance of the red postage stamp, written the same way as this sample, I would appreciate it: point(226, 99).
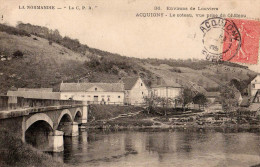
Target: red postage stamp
point(248, 51)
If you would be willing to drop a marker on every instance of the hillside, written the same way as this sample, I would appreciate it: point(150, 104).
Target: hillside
point(46, 64)
point(202, 80)
point(39, 57)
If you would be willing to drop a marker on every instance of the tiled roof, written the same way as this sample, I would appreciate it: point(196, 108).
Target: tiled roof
point(79, 87)
point(129, 82)
point(212, 94)
point(167, 83)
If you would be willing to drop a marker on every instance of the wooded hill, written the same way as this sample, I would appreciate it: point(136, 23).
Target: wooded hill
point(39, 57)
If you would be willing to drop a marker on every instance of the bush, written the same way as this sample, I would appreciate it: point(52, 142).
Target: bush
point(18, 54)
point(106, 64)
point(13, 31)
point(14, 152)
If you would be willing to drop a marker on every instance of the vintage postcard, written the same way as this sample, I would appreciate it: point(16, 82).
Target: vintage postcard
point(111, 83)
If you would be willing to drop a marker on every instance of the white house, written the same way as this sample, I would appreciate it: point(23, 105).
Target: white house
point(167, 90)
point(254, 86)
point(98, 93)
point(135, 90)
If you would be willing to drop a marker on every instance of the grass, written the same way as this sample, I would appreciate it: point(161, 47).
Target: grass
point(121, 122)
point(210, 77)
point(13, 152)
point(45, 65)
point(99, 112)
point(175, 111)
point(104, 112)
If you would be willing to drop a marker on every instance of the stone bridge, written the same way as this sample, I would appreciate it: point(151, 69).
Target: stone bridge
point(42, 122)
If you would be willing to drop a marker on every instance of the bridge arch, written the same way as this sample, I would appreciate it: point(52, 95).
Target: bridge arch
point(37, 130)
point(38, 117)
point(65, 113)
point(65, 123)
point(78, 115)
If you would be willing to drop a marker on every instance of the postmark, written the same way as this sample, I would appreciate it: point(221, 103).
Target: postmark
point(232, 40)
point(221, 39)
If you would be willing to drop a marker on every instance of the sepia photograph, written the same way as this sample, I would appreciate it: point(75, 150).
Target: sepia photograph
point(127, 83)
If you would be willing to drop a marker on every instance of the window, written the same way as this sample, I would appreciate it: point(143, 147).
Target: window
point(95, 89)
point(142, 93)
point(141, 84)
point(253, 85)
point(119, 97)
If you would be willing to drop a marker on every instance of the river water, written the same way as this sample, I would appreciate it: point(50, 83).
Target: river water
point(179, 147)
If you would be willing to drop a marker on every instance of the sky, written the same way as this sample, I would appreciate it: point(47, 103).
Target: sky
point(112, 25)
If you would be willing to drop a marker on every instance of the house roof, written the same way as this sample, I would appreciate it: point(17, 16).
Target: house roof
point(129, 82)
point(167, 83)
point(79, 87)
point(212, 94)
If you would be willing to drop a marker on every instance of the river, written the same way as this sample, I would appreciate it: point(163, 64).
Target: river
point(179, 147)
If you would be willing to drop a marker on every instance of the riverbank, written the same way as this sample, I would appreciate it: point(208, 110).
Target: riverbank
point(15, 153)
point(174, 119)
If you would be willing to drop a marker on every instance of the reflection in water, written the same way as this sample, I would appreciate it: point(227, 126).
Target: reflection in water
point(175, 148)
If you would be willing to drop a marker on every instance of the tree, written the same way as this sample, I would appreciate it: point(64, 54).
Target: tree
point(237, 84)
point(228, 98)
point(185, 97)
point(200, 99)
point(164, 102)
point(151, 101)
point(154, 101)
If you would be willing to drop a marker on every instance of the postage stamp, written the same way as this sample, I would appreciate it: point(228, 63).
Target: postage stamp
point(232, 40)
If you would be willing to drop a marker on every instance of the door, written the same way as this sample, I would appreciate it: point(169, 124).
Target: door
point(96, 99)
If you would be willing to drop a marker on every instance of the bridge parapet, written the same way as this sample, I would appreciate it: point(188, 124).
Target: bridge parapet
point(9, 105)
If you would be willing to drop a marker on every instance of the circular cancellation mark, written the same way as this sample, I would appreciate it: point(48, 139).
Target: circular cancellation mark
point(221, 39)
